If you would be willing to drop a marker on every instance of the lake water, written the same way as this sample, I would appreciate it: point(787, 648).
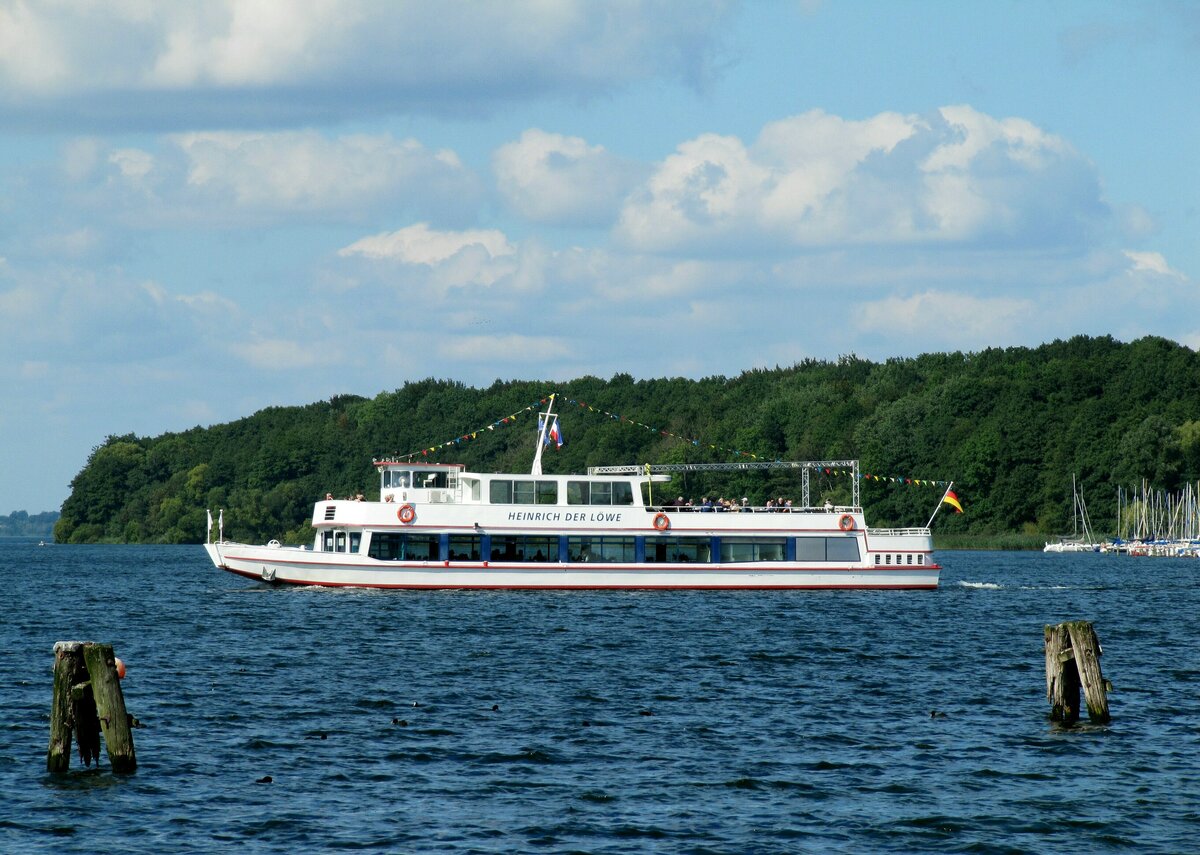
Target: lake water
point(605, 722)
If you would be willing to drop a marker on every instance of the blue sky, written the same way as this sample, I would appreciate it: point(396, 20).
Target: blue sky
point(211, 208)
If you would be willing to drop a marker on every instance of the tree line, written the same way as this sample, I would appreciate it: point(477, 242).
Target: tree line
point(25, 524)
point(1010, 426)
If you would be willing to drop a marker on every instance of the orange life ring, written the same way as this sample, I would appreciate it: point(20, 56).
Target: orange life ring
point(846, 523)
point(406, 514)
point(662, 522)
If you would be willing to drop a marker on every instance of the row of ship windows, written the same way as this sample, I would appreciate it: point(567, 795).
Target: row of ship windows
point(401, 546)
point(534, 492)
point(523, 491)
point(899, 558)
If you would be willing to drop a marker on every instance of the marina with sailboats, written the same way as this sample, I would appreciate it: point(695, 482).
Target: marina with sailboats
point(1149, 523)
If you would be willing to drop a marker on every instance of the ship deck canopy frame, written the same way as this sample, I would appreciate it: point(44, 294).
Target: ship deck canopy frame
point(806, 468)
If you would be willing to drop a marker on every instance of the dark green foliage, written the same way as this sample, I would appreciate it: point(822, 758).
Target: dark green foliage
point(1009, 426)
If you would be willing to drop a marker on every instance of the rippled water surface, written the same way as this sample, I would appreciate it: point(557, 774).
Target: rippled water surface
point(605, 722)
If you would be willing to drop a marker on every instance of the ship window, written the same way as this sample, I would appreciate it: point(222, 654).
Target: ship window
point(395, 478)
point(841, 548)
point(464, 547)
point(430, 479)
point(887, 559)
point(504, 492)
point(670, 550)
point(519, 547)
point(600, 549)
point(327, 541)
point(909, 561)
point(339, 541)
point(355, 540)
point(828, 549)
point(398, 546)
point(599, 493)
point(522, 493)
point(877, 558)
point(920, 559)
point(746, 549)
point(501, 493)
point(810, 549)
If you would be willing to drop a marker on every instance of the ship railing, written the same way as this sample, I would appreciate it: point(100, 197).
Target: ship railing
point(756, 509)
point(806, 467)
point(900, 532)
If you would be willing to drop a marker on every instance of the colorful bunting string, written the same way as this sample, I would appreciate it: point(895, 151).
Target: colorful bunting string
point(537, 405)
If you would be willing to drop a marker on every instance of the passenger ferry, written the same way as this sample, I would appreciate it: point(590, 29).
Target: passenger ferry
point(438, 525)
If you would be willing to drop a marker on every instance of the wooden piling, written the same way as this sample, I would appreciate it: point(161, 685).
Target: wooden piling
point(67, 657)
point(1073, 661)
point(88, 700)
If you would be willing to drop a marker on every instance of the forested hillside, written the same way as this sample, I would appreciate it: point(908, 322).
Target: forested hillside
point(1008, 426)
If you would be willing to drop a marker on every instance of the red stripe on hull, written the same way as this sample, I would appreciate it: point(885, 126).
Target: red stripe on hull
point(630, 587)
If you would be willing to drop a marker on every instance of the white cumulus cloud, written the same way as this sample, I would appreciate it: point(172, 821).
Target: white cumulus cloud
point(419, 244)
point(275, 61)
point(561, 180)
point(946, 317)
point(1151, 262)
point(305, 170)
point(957, 176)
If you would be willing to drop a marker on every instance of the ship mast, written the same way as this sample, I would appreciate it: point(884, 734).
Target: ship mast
point(544, 421)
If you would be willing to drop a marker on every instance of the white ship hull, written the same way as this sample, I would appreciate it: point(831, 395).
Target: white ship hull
point(304, 567)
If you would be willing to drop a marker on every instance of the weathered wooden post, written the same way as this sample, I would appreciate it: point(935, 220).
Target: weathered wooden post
point(1073, 660)
point(88, 701)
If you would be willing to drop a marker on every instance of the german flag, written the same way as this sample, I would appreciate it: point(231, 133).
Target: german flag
point(952, 500)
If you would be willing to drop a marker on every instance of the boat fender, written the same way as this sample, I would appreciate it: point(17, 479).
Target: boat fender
point(406, 514)
point(662, 522)
point(846, 523)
